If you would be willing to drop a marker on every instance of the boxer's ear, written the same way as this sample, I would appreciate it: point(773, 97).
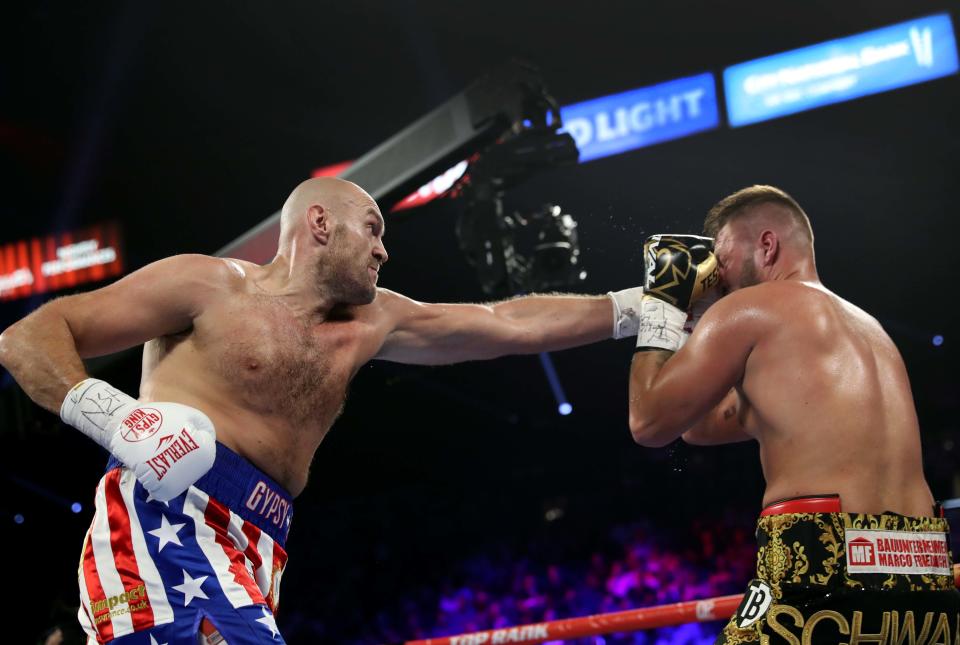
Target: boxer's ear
point(318, 220)
point(770, 247)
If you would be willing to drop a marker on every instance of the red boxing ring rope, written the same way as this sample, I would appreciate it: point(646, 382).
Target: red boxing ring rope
point(620, 621)
point(679, 613)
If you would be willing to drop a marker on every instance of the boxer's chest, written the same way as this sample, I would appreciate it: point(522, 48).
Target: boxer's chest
point(281, 364)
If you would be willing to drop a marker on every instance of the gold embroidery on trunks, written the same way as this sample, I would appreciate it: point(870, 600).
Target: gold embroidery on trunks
point(802, 562)
point(777, 560)
point(800, 551)
point(733, 635)
point(833, 546)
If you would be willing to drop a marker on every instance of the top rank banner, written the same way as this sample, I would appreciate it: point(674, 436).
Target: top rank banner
point(59, 261)
point(839, 70)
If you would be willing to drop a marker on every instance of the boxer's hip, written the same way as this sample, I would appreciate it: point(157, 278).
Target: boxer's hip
point(217, 549)
point(824, 575)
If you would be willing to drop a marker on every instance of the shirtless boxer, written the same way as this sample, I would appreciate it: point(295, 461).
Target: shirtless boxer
point(851, 546)
point(245, 368)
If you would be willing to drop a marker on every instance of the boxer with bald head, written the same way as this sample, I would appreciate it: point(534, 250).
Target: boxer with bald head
point(849, 527)
point(245, 368)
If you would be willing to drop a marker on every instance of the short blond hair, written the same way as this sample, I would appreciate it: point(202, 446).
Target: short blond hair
point(738, 204)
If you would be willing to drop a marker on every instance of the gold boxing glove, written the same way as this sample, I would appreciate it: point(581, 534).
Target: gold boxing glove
point(678, 269)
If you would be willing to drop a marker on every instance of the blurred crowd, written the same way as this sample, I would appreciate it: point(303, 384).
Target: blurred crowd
point(509, 584)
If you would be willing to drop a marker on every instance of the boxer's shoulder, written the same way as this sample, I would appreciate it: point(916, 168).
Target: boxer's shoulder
point(197, 269)
point(228, 276)
point(780, 297)
point(765, 307)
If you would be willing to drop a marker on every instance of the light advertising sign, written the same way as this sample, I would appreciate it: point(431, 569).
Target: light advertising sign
point(607, 126)
point(839, 70)
point(59, 261)
point(637, 118)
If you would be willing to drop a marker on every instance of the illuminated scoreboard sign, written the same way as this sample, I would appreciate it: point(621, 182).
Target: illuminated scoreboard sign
point(59, 261)
point(839, 70)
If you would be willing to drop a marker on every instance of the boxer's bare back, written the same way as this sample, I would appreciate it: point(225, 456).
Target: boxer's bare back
point(825, 393)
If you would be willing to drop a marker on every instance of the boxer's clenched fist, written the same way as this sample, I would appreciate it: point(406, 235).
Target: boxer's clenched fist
point(679, 270)
point(169, 446)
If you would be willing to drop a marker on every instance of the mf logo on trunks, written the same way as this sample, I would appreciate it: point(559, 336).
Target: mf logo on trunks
point(268, 503)
point(897, 552)
point(755, 603)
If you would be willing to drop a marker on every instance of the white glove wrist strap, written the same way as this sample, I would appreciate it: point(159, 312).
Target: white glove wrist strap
point(95, 407)
point(626, 311)
point(661, 325)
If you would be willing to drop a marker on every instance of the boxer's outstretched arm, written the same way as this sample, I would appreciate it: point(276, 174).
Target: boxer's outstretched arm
point(43, 351)
point(438, 334)
point(670, 392)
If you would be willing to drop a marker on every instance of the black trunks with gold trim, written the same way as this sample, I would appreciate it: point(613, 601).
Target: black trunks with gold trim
point(824, 576)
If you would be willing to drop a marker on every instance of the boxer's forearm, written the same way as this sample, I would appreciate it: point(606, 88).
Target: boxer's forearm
point(40, 353)
point(649, 424)
point(558, 322)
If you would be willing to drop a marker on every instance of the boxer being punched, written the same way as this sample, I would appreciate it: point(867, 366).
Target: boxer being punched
point(245, 368)
point(852, 547)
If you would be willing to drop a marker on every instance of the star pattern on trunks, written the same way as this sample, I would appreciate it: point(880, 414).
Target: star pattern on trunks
point(191, 588)
point(167, 533)
point(269, 622)
point(153, 641)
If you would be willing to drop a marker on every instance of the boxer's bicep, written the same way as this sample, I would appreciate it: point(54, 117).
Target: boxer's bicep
point(440, 334)
point(159, 299)
point(713, 360)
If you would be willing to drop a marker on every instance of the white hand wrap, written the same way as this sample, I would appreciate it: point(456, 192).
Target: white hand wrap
point(168, 446)
point(626, 311)
point(661, 325)
point(95, 408)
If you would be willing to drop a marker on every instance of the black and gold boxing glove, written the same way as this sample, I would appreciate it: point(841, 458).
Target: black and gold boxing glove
point(679, 269)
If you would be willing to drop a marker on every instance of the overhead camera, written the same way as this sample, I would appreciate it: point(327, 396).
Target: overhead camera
point(546, 250)
point(520, 252)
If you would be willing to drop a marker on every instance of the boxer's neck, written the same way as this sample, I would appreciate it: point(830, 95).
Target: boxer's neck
point(791, 265)
point(298, 285)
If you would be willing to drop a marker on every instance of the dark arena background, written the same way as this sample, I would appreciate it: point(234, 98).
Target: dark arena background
point(483, 495)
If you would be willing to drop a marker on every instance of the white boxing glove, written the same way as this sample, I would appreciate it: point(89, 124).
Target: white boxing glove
point(168, 446)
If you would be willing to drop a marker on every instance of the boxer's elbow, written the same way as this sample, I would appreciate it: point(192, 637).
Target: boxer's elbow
point(19, 341)
point(649, 431)
point(9, 343)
